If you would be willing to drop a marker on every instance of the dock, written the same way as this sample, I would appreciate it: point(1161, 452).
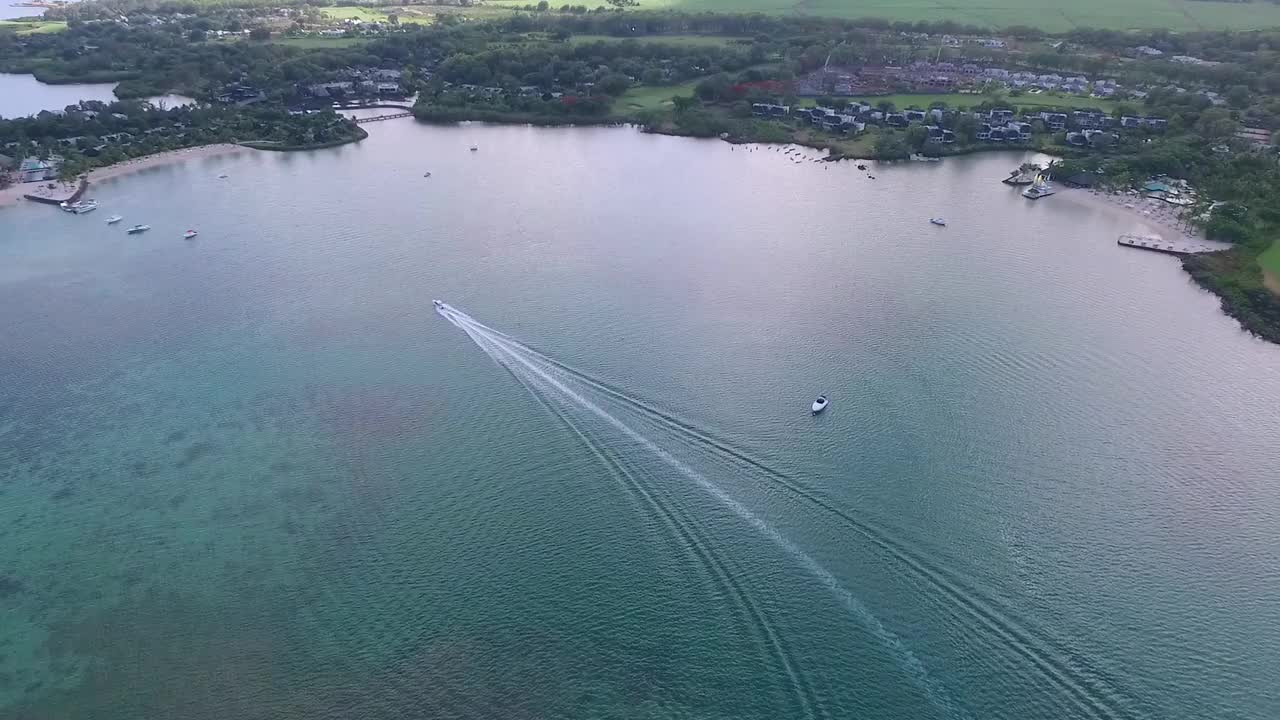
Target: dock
point(1158, 244)
point(379, 118)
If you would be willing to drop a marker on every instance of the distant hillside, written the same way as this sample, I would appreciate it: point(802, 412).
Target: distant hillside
point(1050, 15)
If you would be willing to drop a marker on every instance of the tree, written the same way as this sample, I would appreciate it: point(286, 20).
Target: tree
point(1238, 96)
point(393, 19)
point(197, 35)
point(260, 34)
point(715, 87)
point(613, 84)
point(916, 136)
point(543, 5)
point(889, 146)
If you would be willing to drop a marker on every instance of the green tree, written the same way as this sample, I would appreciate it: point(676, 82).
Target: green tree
point(916, 136)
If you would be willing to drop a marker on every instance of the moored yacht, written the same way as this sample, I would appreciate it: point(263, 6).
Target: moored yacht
point(938, 221)
point(1040, 188)
point(114, 219)
point(138, 229)
point(81, 208)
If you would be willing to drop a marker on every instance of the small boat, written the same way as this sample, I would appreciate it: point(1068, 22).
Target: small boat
point(114, 219)
point(871, 177)
point(439, 305)
point(1040, 188)
point(938, 221)
point(862, 166)
point(820, 404)
point(426, 174)
point(474, 148)
point(223, 176)
point(87, 206)
point(138, 229)
point(190, 234)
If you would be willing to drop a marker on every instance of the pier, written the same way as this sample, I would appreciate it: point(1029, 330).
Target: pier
point(377, 118)
point(1170, 247)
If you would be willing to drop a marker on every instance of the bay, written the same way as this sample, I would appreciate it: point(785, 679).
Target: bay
point(254, 474)
point(22, 95)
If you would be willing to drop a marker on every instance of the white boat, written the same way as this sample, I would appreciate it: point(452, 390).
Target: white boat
point(820, 404)
point(1040, 188)
point(138, 229)
point(87, 206)
point(190, 234)
point(938, 221)
point(439, 304)
point(114, 219)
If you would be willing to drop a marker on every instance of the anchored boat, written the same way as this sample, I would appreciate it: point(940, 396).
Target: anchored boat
point(820, 404)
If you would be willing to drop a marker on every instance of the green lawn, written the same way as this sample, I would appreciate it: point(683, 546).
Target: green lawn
point(319, 42)
point(1051, 15)
point(407, 14)
point(646, 97)
point(680, 40)
point(22, 27)
point(1270, 260)
point(956, 100)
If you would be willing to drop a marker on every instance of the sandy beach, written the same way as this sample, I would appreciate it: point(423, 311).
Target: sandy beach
point(1156, 217)
point(14, 193)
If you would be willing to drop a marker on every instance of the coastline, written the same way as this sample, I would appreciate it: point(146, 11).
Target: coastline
point(14, 193)
point(1155, 216)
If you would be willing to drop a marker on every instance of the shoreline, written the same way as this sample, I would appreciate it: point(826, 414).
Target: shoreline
point(13, 194)
point(1155, 219)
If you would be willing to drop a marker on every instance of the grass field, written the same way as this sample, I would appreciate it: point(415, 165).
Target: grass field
point(31, 28)
point(956, 100)
point(679, 40)
point(319, 42)
point(1050, 15)
point(407, 14)
point(652, 98)
point(1270, 262)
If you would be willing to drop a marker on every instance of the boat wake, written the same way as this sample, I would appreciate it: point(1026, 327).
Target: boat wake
point(573, 396)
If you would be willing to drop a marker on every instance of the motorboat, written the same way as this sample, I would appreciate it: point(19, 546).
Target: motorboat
point(871, 177)
point(474, 148)
point(1040, 188)
point(439, 304)
point(138, 229)
point(862, 166)
point(190, 234)
point(938, 221)
point(820, 404)
point(223, 176)
point(426, 174)
point(81, 207)
point(114, 219)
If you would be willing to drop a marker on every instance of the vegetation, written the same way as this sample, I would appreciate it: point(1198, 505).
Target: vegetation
point(32, 27)
point(1047, 15)
point(95, 134)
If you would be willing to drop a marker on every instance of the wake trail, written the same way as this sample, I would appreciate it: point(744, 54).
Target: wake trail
point(712, 564)
point(905, 658)
point(1081, 691)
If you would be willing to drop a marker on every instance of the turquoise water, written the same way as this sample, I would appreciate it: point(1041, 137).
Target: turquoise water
point(256, 475)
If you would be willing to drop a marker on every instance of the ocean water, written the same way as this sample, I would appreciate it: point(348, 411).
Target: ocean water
point(257, 475)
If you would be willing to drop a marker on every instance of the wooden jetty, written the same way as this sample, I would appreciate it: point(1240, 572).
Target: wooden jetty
point(1158, 244)
point(378, 118)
